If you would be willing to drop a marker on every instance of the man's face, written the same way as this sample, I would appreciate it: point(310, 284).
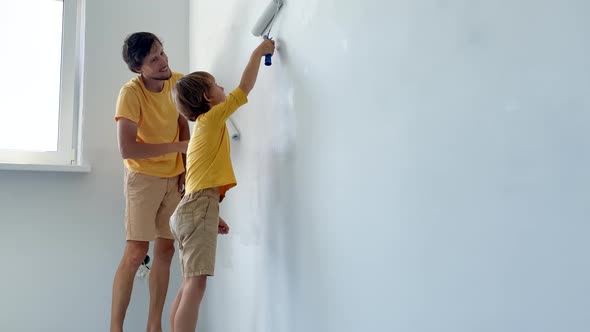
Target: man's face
point(155, 64)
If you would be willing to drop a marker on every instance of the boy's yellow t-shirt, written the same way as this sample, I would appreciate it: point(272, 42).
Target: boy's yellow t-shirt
point(157, 122)
point(208, 162)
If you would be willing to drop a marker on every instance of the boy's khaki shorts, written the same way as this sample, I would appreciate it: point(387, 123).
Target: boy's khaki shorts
point(150, 201)
point(194, 225)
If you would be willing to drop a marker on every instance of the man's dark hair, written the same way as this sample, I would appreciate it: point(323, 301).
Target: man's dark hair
point(136, 47)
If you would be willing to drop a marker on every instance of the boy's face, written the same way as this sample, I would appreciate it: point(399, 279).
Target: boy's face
point(216, 93)
point(155, 64)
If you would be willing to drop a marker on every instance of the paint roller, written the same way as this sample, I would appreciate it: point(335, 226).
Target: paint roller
point(265, 23)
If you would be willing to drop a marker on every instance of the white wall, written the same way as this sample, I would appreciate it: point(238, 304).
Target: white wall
point(405, 166)
point(62, 235)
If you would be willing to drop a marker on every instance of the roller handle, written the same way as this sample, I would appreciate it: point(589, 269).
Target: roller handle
point(267, 57)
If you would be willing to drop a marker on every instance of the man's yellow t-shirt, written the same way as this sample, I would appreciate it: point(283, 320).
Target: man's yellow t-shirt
point(208, 163)
point(157, 122)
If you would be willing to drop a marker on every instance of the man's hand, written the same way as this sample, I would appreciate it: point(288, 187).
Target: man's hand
point(181, 181)
point(182, 146)
point(223, 228)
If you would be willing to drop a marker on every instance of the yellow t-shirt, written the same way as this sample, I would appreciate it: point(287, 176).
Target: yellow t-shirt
point(208, 162)
point(157, 122)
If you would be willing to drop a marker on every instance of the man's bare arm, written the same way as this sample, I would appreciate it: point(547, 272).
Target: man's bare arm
point(131, 149)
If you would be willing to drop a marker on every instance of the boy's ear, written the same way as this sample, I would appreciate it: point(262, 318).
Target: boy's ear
point(206, 97)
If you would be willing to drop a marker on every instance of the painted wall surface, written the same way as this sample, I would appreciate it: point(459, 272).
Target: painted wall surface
point(404, 166)
point(62, 235)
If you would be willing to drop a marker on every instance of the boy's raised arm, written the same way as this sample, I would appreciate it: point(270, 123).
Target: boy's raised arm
point(251, 71)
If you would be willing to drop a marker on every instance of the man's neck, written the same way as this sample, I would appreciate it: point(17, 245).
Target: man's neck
point(152, 85)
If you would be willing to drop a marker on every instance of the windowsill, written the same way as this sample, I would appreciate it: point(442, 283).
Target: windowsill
point(45, 168)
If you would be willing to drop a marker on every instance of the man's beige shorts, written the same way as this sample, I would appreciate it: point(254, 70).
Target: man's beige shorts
point(150, 201)
point(194, 225)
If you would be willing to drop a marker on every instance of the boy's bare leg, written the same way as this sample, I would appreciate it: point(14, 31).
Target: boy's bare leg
point(159, 279)
point(193, 289)
point(133, 256)
point(174, 307)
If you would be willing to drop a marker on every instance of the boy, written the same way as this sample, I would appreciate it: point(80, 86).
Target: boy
point(196, 222)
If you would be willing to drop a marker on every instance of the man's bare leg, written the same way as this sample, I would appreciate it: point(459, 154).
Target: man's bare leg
point(193, 289)
point(133, 256)
point(159, 279)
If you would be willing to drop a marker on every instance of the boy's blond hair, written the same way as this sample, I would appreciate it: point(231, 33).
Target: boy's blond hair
point(189, 94)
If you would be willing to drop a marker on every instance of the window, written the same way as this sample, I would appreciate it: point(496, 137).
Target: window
point(41, 66)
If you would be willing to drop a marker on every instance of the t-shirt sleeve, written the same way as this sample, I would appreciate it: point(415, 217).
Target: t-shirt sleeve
point(128, 105)
point(220, 113)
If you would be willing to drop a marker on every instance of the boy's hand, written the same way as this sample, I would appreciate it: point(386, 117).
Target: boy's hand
point(251, 71)
point(266, 47)
point(223, 228)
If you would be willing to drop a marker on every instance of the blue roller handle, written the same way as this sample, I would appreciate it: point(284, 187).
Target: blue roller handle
point(268, 57)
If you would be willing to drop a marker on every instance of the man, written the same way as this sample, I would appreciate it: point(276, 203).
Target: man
point(152, 140)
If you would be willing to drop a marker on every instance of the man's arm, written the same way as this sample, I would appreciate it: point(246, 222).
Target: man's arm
point(184, 130)
point(183, 135)
point(131, 149)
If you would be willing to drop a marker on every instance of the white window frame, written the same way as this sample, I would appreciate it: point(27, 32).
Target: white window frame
point(72, 64)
